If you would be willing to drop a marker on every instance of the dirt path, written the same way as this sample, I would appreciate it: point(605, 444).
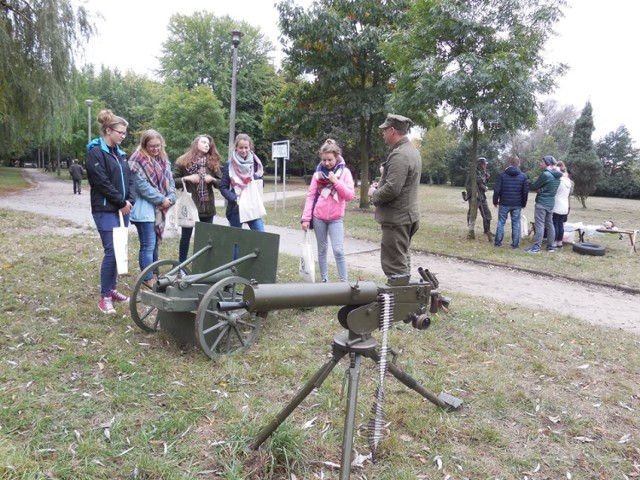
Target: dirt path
point(595, 304)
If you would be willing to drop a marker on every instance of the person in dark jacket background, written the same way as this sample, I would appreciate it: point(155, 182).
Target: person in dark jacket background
point(510, 194)
point(76, 171)
point(112, 191)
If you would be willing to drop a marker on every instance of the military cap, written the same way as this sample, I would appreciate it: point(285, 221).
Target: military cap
point(482, 160)
point(400, 123)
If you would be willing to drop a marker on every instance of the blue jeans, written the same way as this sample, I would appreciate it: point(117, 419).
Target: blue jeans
point(105, 223)
point(558, 224)
point(234, 221)
point(503, 211)
point(335, 230)
point(185, 239)
point(148, 245)
point(544, 222)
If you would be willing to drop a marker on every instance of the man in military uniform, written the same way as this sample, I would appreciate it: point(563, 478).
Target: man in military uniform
point(482, 179)
point(396, 196)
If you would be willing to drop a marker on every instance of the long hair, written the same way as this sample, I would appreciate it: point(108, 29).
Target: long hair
point(107, 119)
point(213, 157)
point(146, 137)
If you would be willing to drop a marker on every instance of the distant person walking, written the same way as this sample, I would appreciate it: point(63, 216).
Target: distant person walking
point(112, 191)
point(331, 187)
point(76, 171)
point(562, 205)
point(155, 193)
point(546, 185)
point(200, 169)
point(396, 197)
point(510, 195)
point(242, 185)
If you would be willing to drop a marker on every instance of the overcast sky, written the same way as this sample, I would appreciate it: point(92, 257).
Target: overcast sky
point(597, 39)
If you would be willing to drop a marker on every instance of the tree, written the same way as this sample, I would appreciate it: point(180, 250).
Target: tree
point(182, 114)
point(38, 39)
point(480, 61)
point(198, 52)
point(620, 162)
point(435, 148)
point(582, 159)
point(334, 46)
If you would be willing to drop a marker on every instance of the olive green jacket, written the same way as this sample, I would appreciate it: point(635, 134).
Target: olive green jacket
point(396, 198)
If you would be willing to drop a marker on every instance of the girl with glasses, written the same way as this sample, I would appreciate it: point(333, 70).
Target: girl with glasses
point(155, 193)
point(112, 191)
point(199, 168)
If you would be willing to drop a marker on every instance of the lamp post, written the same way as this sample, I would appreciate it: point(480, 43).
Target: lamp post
point(88, 103)
point(235, 41)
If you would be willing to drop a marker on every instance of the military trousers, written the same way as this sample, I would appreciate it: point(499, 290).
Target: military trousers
point(394, 249)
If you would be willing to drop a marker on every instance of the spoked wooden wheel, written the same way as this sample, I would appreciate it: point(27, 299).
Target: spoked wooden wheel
point(224, 333)
point(145, 316)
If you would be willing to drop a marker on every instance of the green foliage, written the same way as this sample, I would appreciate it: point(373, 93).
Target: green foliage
point(182, 114)
point(621, 165)
point(458, 160)
point(38, 39)
point(335, 47)
point(435, 147)
point(198, 52)
point(582, 160)
point(482, 62)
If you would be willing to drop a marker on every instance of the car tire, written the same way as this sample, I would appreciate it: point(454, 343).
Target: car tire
point(586, 248)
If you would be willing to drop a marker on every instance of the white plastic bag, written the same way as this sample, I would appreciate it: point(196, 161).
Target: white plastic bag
point(186, 209)
point(524, 226)
point(250, 203)
point(307, 266)
point(121, 246)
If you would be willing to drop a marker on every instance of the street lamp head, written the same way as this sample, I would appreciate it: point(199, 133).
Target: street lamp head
point(88, 103)
point(235, 38)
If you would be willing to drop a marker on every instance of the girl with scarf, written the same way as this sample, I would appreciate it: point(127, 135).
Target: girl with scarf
point(243, 176)
point(156, 192)
point(199, 169)
point(112, 191)
point(331, 187)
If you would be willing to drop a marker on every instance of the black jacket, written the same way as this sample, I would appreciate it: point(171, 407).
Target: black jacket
point(109, 176)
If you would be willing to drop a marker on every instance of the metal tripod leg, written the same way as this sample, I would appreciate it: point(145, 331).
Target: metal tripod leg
point(444, 400)
point(318, 378)
point(349, 421)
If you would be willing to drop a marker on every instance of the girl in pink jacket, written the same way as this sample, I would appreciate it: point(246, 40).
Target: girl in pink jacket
point(331, 187)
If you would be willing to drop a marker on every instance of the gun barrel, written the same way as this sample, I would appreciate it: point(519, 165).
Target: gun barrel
point(267, 297)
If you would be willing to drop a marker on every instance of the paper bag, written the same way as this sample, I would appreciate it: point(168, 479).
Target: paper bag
point(121, 246)
point(186, 209)
point(250, 203)
point(307, 266)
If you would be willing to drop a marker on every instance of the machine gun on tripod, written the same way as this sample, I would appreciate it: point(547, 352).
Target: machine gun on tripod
point(366, 308)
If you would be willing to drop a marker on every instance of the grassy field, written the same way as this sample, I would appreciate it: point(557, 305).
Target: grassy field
point(86, 396)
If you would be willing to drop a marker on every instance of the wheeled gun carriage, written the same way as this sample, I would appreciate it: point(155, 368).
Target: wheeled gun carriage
point(182, 298)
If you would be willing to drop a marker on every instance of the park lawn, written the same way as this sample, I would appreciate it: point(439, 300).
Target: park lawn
point(443, 231)
point(11, 180)
point(88, 396)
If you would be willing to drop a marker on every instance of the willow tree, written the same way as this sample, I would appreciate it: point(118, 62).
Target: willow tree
point(334, 46)
point(38, 39)
point(479, 61)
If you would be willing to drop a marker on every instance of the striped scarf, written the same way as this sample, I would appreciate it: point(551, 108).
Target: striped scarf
point(324, 184)
point(199, 166)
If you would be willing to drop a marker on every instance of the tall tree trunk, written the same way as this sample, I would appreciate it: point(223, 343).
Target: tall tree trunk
point(364, 166)
point(473, 165)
